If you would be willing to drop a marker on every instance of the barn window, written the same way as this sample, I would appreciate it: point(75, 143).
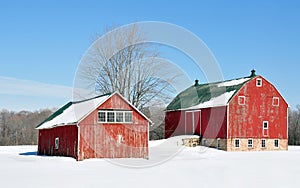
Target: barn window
point(218, 143)
point(119, 117)
point(106, 116)
point(242, 100)
point(263, 143)
point(56, 143)
point(276, 143)
point(275, 101)
point(266, 125)
point(258, 82)
point(102, 116)
point(128, 117)
point(110, 117)
point(237, 143)
point(250, 143)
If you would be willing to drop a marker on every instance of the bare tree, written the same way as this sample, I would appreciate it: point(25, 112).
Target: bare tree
point(121, 61)
point(18, 128)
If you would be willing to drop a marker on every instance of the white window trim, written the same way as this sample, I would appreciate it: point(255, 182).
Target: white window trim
point(261, 144)
point(278, 143)
point(235, 142)
point(261, 82)
point(273, 101)
point(248, 143)
point(264, 125)
point(242, 98)
point(56, 143)
point(115, 116)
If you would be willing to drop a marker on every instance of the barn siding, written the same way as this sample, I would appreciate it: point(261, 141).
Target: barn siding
point(213, 123)
point(99, 140)
point(174, 123)
point(67, 141)
point(246, 121)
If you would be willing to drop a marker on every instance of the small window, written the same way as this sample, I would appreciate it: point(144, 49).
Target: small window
point(128, 117)
point(56, 143)
point(275, 101)
point(110, 116)
point(276, 143)
point(263, 143)
point(101, 116)
point(259, 82)
point(119, 117)
point(250, 143)
point(266, 125)
point(237, 143)
point(218, 143)
point(242, 100)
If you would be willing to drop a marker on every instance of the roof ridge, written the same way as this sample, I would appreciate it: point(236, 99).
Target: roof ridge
point(84, 100)
point(218, 82)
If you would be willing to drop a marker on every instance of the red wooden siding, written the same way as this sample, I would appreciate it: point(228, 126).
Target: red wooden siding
point(99, 140)
point(246, 121)
point(214, 122)
point(67, 141)
point(174, 123)
point(209, 122)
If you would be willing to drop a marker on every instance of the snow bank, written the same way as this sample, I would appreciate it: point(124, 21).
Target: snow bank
point(190, 167)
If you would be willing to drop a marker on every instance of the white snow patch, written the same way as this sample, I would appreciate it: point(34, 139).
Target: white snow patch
point(233, 82)
point(192, 167)
point(221, 100)
point(74, 113)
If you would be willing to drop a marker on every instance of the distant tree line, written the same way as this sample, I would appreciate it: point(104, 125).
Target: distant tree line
point(294, 126)
point(18, 128)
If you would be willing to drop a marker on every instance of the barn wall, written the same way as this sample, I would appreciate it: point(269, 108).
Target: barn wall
point(246, 121)
point(67, 141)
point(99, 140)
point(174, 123)
point(213, 123)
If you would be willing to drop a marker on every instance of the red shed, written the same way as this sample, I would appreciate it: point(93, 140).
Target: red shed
point(245, 114)
point(106, 126)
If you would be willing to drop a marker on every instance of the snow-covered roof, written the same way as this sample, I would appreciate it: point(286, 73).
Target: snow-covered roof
point(72, 112)
point(207, 95)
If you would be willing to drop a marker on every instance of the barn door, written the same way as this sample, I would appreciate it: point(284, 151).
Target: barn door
point(192, 122)
point(189, 123)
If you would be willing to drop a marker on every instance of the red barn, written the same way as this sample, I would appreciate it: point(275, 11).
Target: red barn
point(106, 126)
point(246, 114)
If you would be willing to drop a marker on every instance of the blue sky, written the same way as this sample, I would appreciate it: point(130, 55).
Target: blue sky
point(41, 42)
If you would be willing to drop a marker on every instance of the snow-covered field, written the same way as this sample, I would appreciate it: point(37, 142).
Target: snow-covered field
point(191, 167)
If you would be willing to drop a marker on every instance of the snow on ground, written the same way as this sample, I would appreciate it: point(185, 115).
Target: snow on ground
point(190, 167)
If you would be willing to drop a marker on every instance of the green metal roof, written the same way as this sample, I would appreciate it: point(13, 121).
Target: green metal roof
point(67, 106)
point(207, 94)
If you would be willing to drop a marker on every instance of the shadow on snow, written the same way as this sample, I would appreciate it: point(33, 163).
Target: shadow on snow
point(32, 153)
